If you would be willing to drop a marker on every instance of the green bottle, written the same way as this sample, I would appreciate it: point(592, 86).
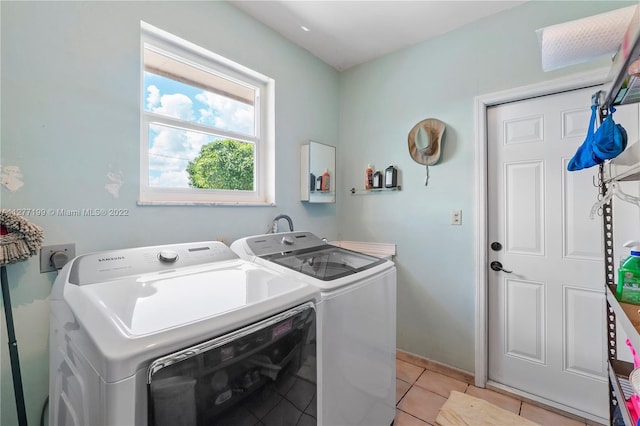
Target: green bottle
point(628, 289)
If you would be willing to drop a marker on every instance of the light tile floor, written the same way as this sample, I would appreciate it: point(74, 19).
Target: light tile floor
point(420, 393)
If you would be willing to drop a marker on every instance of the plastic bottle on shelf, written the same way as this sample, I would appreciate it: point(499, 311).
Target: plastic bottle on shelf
point(326, 185)
point(368, 182)
point(628, 288)
point(390, 177)
point(319, 183)
point(377, 179)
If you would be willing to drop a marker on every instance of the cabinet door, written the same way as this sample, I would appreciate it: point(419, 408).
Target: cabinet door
point(318, 173)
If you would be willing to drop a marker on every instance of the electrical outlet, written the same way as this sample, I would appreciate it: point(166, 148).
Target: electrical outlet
point(46, 265)
point(456, 217)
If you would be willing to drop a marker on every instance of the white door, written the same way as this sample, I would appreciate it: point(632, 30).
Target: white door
point(547, 325)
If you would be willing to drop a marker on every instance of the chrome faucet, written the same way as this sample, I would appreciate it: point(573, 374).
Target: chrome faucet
point(274, 227)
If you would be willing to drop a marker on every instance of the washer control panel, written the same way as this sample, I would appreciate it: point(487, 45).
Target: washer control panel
point(111, 265)
point(264, 245)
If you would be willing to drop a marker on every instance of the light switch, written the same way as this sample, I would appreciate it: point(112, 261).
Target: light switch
point(456, 217)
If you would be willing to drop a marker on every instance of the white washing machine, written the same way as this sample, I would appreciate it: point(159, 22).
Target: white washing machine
point(357, 315)
point(185, 334)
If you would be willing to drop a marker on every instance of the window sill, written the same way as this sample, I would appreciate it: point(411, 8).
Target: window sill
point(207, 203)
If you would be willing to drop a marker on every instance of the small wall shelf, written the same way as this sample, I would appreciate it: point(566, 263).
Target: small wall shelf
point(373, 190)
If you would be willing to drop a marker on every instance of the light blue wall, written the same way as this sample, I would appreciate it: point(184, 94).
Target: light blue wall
point(379, 103)
point(70, 115)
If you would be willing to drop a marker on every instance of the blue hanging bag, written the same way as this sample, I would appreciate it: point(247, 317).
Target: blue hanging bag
point(607, 142)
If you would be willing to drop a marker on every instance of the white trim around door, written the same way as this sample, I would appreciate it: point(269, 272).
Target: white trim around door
point(483, 102)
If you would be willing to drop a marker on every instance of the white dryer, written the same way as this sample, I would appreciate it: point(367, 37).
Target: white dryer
point(357, 314)
point(185, 334)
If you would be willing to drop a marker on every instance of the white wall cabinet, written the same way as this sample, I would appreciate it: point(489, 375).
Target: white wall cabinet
point(317, 173)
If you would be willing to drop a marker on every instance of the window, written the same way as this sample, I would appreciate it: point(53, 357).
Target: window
point(207, 126)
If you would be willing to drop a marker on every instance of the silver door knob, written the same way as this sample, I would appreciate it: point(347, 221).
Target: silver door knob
point(497, 266)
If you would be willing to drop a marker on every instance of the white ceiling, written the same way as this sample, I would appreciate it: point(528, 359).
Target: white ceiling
point(347, 33)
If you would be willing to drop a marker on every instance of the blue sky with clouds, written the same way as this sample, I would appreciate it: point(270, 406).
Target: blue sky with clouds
point(171, 149)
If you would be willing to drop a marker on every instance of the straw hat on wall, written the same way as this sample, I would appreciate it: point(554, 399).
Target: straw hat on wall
point(425, 141)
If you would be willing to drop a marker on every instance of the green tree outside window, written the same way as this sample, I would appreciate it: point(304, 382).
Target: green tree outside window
point(223, 164)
